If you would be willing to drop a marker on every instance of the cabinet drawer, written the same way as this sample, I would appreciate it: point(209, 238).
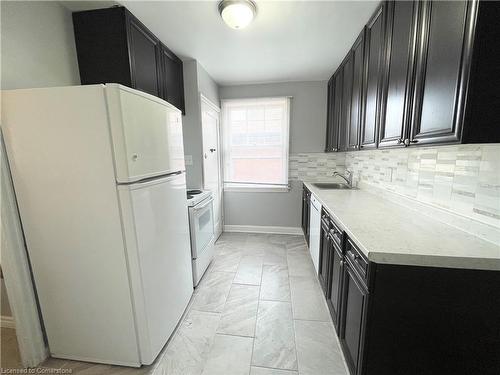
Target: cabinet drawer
point(334, 231)
point(358, 261)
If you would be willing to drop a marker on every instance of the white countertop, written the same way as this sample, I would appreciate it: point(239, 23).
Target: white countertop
point(391, 233)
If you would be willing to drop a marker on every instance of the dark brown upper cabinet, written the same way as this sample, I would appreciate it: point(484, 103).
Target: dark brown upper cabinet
point(333, 112)
point(171, 74)
point(401, 29)
point(358, 53)
point(457, 73)
point(115, 47)
point(337, 107)
point(345, 72)
point(143, 51)
point(372, 90)
point(329, 144)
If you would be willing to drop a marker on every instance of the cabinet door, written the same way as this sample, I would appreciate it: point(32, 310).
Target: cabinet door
point(373, 78)
point(307, 218)
point(337, 107)
point(355, 299)
point(439, 69)
point(329, 145)
point(171, 78)
point(143, 50)
point(324, 257)
point(357, 89)
point(335, 284)
point(333, 115)
point(305, 213)
point(345, 110)
point(398, 76)
point(304, 229)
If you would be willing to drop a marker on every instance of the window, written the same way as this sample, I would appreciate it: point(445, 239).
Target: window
point(255, 139)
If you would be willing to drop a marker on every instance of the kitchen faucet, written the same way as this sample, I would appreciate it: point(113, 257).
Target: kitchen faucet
point(347, 179)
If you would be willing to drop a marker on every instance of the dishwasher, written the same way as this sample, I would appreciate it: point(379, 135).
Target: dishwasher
point(315, 230)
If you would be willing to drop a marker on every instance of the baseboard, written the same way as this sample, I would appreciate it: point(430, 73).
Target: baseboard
point(262, 229)
point(7, 322)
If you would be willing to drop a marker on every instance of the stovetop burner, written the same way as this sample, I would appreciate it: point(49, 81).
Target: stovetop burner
point(194, 192)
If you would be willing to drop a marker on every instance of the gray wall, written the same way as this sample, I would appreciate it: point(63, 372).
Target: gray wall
point(307, 134)
point(38, 50)
point(207, 86)
point(38, 47)
point(196, 81)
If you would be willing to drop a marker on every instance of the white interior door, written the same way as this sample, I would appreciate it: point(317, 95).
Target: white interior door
point(212, 173)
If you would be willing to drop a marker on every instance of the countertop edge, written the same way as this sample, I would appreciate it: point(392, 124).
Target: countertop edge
point(424, 260)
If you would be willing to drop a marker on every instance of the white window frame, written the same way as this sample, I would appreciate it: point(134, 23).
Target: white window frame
point(258, 188)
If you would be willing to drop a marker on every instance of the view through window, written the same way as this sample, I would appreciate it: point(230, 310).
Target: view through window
point(255, 139)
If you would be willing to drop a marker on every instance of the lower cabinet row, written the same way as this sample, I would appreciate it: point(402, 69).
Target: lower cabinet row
point(400, 319)
point(342, 275)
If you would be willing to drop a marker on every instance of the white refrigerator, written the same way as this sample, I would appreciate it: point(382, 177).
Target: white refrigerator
point(99, 178)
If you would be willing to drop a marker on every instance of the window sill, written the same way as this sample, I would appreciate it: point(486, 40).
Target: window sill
point(253, 189)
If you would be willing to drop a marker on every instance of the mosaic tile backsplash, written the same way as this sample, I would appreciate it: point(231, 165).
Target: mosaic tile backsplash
point(462, 179)
point(315, 166)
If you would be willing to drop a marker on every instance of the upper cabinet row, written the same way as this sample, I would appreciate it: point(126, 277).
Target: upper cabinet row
point(420, 72)
point(115, 47)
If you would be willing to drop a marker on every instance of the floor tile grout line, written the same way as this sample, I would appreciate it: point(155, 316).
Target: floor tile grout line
point(209, 349)
point(256, 319)
point(276, 368)
point(293, 321)
point(233, 335)
point(313, 320)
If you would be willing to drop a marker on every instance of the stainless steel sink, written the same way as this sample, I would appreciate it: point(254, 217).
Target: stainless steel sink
point(331, 185)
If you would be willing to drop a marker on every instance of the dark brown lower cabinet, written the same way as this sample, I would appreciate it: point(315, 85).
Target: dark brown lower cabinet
point(306, 208)
point(334, 290)
point(408, 320)
point(325, 249)
point(432, 320)
point(353, 319)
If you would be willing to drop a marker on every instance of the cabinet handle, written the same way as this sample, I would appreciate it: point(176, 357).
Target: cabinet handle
point(352, 255)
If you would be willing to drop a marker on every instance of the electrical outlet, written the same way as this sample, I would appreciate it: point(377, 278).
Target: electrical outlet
point(188, 159)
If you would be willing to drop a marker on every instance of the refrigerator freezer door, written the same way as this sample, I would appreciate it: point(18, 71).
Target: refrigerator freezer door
point(155, 220)
point(146, 133)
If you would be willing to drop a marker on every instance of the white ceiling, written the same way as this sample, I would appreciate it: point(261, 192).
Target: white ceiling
point(287, 41)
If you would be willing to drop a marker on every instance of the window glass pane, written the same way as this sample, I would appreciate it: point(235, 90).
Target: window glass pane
point(256, 140)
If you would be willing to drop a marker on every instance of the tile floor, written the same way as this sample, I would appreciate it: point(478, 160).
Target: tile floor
point(262, 313)
point(258, 310)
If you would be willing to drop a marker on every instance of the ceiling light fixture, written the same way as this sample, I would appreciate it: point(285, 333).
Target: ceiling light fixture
point(237, 13)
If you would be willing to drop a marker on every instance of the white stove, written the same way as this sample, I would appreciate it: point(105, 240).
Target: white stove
point(195, 196)
point(201, 228)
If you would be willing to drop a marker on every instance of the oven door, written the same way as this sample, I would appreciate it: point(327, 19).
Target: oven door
point(202, 226)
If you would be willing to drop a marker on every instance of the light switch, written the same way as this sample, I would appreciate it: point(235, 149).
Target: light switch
point(188, 159)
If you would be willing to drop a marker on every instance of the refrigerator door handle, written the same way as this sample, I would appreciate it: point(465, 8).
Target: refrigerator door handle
point(151, 181)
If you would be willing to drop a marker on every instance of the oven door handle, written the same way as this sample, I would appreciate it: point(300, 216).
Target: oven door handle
point(198, 208)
